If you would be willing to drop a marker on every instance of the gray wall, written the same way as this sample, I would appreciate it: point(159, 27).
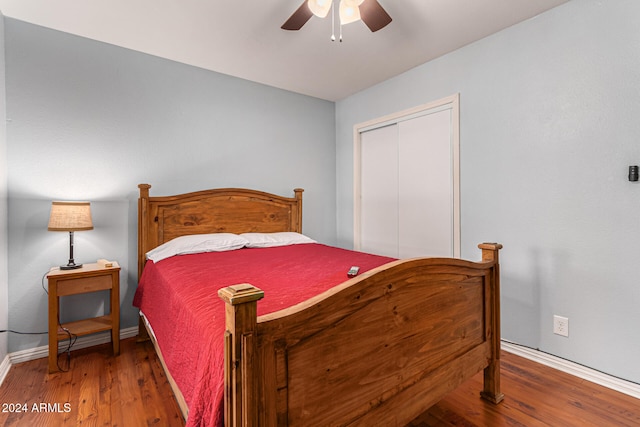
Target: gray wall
point(90, 121)
point(4, 277)
point(549, 126)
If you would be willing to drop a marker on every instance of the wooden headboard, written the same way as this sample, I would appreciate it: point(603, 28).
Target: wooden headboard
point(224, 210)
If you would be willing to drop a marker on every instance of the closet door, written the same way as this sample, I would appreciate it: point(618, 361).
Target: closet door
point(406, 183)
point(379, 191)
point(425, 186)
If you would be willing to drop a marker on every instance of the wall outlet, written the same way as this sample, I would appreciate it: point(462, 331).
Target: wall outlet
point(561, 326)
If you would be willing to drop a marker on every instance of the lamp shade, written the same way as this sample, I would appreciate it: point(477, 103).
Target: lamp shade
point(320, 8)
point(349, 11)
point(70, 216)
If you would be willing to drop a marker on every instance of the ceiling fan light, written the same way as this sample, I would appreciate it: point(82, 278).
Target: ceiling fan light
point(349, 11)
point(320, 8)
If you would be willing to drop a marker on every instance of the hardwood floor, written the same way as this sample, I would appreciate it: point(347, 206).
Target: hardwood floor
point(98, 389)
point(131, 390)
point(535, 395)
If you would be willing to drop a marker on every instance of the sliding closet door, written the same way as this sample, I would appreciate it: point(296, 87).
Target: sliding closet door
point(425, 222)
point(406, 183)
point(379, 190)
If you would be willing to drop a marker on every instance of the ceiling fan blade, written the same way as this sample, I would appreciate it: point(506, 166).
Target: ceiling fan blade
point(299, 17)
point(373, 15)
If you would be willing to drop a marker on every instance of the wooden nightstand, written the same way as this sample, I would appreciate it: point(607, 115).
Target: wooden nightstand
point(88, 278)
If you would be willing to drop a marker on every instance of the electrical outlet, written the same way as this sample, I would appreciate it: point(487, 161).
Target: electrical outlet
point(561, 326)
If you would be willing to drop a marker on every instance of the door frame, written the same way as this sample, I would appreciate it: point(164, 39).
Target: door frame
point(450, 102)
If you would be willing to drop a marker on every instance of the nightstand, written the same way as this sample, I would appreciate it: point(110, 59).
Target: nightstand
point(88, 278)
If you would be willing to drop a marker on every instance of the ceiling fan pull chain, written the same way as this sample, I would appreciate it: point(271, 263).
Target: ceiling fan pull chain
point(333, 22)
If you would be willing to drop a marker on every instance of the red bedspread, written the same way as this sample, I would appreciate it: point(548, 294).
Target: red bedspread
point(179, 297)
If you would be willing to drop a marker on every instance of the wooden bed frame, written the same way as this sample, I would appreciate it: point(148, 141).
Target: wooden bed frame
point(379, 349)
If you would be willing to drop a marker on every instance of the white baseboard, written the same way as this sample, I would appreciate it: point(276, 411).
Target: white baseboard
point(4, 368)
point(597, 377)
point(82, 342)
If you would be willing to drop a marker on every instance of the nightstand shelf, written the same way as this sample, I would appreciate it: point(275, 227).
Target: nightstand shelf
point(86, 327)
point(88, 278)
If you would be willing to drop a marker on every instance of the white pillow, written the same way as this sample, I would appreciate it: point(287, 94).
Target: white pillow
point(196, 243)
point(267, 240)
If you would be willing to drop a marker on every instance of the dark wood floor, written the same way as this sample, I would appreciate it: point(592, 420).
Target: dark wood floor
point(131, 390)
point(99, 389)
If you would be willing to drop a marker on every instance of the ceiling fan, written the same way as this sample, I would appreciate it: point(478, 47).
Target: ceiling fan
point(369, 11)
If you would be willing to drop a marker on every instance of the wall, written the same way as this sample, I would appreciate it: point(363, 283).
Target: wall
point(549, 127)
point(90, 121)
point(4, 293)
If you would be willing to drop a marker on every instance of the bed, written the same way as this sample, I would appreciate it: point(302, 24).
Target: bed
point(379, 348)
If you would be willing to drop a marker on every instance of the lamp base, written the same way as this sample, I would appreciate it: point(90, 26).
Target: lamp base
point(70, 266)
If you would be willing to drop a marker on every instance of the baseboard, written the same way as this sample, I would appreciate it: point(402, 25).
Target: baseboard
point(597, 377)
point(82, 342)
point(4, 368)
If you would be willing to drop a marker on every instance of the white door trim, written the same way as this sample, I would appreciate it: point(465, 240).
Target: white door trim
point(450, 102)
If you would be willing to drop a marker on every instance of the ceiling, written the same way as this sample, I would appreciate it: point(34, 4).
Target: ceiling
point(243, 37)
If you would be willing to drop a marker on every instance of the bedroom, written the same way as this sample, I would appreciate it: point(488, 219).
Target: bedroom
point(548, 123)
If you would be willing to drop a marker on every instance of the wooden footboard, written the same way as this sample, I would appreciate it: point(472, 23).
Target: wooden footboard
point(379, 349)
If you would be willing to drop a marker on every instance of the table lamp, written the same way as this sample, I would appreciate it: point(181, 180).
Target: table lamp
point(70, 216)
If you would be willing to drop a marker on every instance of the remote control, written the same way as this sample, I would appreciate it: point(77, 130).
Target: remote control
point(353, 271)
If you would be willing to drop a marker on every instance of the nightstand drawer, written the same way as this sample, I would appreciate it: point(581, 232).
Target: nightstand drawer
point(84, 284)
